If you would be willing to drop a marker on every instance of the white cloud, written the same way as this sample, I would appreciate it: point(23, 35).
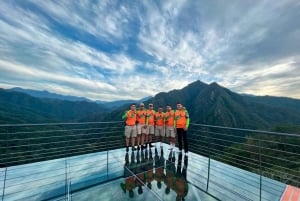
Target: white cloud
point(135, 49)
point(99, 18)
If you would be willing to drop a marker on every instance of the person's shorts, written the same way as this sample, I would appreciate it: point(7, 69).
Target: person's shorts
point(141, 129)
point(150, 130)
point(170, 131)
point(160, 131)
point(130, 131)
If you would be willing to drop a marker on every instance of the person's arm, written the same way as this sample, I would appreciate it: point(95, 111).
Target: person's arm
point(125, 115)
point(174, 120)
point(147, 118)
point(187, 116)
point(187, 122)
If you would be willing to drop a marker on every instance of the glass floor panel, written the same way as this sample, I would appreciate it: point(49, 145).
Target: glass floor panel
point(148, 175)
point(159, 174)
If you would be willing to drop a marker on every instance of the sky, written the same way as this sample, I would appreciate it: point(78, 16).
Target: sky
point(112, 50)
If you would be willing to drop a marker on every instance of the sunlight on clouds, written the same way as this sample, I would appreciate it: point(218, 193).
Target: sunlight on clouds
point(260, 81)
point(106, 50)
point(97, 18)
point(36, 75)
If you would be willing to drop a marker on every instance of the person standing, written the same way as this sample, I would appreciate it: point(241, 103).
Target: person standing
point(170, 129)
point(150, 124)
point(141, 126)
point(130, 126)
point(159, 118)
point(182, 121)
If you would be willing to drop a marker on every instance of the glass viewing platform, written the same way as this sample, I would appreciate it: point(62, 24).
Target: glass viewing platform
point(88, 161)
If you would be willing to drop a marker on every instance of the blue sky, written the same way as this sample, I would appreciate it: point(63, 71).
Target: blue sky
point(112, 50)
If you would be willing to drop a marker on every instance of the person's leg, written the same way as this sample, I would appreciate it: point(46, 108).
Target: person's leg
point(179, 138)
point(184, 135)
point(139, 133)
point(162, 137)
point(132, 141)
point(143, 131)
point(133, 136)
point(127, 136)
point(151, 134)
point(156, 135)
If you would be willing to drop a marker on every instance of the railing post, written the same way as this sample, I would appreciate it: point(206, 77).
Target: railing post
point(66, 180)
point(107, 164)
point(208, 165)
point(260, 168)
point(69, 181)
point(4, 182)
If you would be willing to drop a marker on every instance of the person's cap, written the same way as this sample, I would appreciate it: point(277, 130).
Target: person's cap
point(141, 104)
point(150, 104)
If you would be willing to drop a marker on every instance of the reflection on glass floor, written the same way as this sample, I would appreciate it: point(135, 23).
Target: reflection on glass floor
point(156, 174)
point(151, 174)
point(159, 174)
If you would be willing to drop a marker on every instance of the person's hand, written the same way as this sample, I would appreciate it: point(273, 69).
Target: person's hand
point(185, 128)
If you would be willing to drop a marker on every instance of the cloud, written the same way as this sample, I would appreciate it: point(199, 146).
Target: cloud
point(109, 50)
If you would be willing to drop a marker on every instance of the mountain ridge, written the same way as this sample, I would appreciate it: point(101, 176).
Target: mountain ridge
point(216, 105)
point(207, 103)
point(50, 95)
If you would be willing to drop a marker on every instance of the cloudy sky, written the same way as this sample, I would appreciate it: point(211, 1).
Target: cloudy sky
point(111, 50)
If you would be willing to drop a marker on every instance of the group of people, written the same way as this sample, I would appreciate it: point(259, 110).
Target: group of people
point(146, 126)
point(143, 171)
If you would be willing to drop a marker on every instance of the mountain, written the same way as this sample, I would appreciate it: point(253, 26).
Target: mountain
point(50, 95)
point(116, 104)
point(216, 105)
point(18, 107)
point(206, 103)
point(110, 105)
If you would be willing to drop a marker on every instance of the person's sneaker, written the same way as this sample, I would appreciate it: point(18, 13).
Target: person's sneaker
point(127, 149)
point(133, 148)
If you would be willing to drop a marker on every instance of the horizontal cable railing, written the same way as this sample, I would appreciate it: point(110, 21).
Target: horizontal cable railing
point(27, 143)
point(269, 154)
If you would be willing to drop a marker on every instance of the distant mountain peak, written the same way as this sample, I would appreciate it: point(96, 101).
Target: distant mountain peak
point(47, 94)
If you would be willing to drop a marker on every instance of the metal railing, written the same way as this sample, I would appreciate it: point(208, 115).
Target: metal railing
point(271, 155)
point(59, 147)
point(268, 154)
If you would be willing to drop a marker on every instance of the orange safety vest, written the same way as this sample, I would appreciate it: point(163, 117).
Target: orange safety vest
point(150, 116)
point(159, 119)
point(181, 186)
point(180, 118)
point(141, 116)
point(131, 118)
point(130, 183)
point(169, 116)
